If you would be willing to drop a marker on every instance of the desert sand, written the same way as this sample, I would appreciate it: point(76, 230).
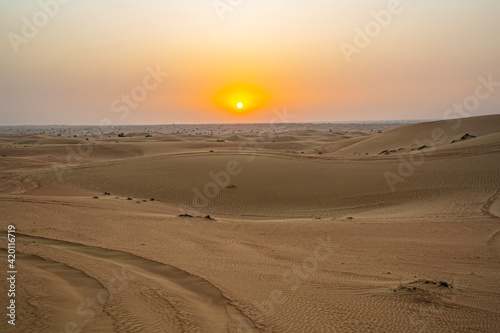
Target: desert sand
point(327, 228)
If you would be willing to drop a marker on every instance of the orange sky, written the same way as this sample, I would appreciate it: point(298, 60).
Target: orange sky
point(82, 60)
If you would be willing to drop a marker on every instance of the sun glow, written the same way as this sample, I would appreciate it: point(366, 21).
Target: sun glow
point(241, 98)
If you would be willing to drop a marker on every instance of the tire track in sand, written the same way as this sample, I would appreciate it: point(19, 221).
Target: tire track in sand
point(490, 208)
point(49, 290)
point(159, 297)
point(491, 203)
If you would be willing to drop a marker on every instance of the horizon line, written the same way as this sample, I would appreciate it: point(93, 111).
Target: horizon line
point(259, 123)
point(253, 123)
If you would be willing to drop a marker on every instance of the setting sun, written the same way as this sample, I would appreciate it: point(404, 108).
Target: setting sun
point(239, 98)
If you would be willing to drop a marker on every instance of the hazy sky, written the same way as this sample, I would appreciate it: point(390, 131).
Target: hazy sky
point(79, 62)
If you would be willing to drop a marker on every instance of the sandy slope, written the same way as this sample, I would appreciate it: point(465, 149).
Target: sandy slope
point(312, 237)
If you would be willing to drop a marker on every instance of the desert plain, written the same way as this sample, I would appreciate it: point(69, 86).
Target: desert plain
point(377, 227)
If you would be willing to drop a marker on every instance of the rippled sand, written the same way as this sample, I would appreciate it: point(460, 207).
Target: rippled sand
point(309, 230)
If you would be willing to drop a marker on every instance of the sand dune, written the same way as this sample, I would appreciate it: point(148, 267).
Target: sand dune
point(310, 230)
point(439, 133)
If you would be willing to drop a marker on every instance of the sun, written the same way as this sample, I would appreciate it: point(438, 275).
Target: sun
point(241, 98)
